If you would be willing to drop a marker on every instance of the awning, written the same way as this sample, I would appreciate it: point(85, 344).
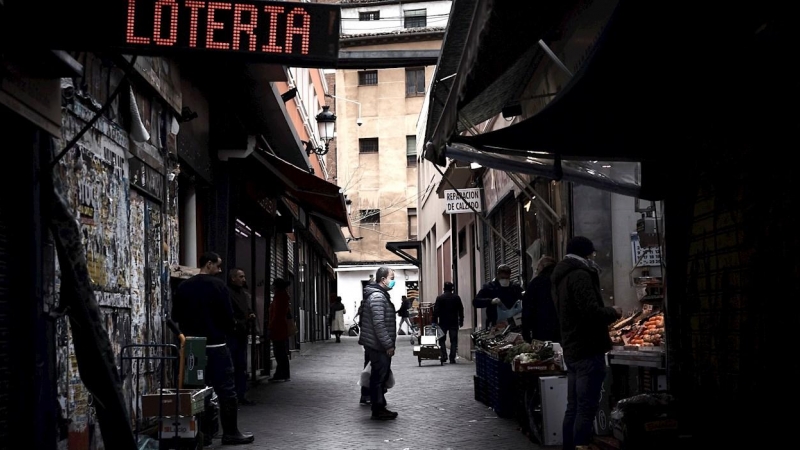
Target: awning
point(399, 249)
point(486, 60)
point(315, 195)
point(621, 177)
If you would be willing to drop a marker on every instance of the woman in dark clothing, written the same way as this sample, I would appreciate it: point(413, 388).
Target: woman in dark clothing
point(279, 311)
point(403, 314)
point(539, 316)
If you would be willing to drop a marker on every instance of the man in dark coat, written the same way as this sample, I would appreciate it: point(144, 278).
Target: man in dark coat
point(244, 318)
point(501, 290)
point(448, 313)
point(584, 320)
point(378, 336)
point(539, 316)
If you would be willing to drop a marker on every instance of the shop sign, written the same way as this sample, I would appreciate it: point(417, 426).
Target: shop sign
point(297, 34)
point(455, 204)
point(146, 178)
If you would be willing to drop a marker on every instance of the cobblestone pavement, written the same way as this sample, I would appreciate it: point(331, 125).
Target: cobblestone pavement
point(319, 409)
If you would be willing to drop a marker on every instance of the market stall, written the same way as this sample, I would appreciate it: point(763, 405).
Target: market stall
point(523, 381)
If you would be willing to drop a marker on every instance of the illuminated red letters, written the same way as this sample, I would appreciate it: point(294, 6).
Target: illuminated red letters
point(302, 30)
point(173, 22)
point(193, 17)
point(130, 37)
point(241, 29)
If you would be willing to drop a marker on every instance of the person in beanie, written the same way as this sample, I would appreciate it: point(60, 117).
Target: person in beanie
point(501, 290)
point(584, 321)
point(448, 313)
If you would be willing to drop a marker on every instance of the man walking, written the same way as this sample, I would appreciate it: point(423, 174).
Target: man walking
point(244, 318)
point(202, 308)
point(584, 321)
point(448, 313)
point(378, 336)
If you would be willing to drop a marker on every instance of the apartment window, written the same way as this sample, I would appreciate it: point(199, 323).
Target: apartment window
point(411, 150)
point(368, 78)
point(412, 224)
point(368, 145)
point(415, 18)
point(369, 15)
point(462, 242)
point(415, 82)
point(369, 216)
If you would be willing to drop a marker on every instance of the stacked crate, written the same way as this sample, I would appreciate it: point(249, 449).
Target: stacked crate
point(495, 384)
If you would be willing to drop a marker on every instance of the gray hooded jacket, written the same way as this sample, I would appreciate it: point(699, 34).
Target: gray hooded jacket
point(377, 317)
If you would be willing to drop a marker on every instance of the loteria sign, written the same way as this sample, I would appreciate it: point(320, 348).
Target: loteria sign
point(290, 33)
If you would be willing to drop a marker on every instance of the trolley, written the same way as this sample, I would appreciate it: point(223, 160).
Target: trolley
point(177, 411)
point(427, 335)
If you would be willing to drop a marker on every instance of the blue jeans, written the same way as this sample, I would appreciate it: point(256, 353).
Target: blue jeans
point(381, 364)
point(584, 384)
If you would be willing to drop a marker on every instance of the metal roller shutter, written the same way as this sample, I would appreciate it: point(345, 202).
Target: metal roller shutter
point(511, 234)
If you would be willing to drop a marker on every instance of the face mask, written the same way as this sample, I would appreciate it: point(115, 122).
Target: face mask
point(390, 285)
point(504, 282)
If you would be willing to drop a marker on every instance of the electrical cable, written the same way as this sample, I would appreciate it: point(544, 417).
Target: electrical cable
point(97, 115)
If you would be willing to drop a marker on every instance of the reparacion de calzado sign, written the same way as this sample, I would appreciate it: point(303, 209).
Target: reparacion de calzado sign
point(454, 204)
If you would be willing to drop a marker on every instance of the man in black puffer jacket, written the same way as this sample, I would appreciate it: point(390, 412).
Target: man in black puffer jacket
point(584, 320)
point(378, 336)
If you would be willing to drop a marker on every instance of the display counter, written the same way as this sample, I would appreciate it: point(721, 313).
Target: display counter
point(655, 358)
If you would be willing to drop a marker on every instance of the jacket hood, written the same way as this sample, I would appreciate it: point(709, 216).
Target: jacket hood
point(565, 266)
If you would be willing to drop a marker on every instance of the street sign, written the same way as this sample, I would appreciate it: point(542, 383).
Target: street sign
point(455, 204)
point(289, 33)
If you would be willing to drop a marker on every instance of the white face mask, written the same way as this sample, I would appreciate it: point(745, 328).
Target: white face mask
point(504, 282)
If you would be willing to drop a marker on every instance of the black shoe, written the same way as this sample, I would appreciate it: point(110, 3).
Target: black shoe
point(383, 415)
point(275, 379)
point(452, 361)
point(237, 439)
point(365, 401)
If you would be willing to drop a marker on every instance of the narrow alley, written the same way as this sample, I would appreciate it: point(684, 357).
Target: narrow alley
point(319, 409)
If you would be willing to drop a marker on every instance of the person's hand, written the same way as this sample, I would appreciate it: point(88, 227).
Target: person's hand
point(496, 301)
point(618, 310)
point(390, 352)
point(460, 324)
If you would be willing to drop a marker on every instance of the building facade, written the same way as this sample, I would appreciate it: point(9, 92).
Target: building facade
point(153, 166)
point(377, 111)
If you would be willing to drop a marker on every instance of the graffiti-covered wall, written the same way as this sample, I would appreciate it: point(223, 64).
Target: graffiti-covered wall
point(130, 232)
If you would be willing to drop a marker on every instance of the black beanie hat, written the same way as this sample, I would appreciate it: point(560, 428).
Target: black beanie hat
point(580, 246)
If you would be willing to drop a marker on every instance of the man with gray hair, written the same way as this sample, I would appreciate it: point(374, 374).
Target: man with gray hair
point(378, 336)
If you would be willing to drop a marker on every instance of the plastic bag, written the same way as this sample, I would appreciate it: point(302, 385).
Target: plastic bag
point(503, 313)
point(367, 372)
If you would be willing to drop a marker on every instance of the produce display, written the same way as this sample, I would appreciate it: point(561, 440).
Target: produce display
point(642, 329)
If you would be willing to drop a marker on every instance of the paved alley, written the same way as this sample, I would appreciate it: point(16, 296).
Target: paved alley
point(319, 409)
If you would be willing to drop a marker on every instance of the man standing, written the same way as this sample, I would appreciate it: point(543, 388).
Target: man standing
point(378, 336)
point(244, 318)
point(498, 291)
point(584, 320)
point(448, 313)
point(202, 308)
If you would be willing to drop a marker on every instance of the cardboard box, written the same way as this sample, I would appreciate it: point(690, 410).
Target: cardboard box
point(187, 428)
point(190, 402)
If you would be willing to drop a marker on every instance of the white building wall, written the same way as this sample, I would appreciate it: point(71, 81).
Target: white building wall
point(391, 16)
point(349, 286)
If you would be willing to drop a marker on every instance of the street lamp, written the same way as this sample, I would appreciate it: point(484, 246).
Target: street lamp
point(326, 124)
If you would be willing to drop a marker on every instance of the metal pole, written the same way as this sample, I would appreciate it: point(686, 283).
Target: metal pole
point(554, 58)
